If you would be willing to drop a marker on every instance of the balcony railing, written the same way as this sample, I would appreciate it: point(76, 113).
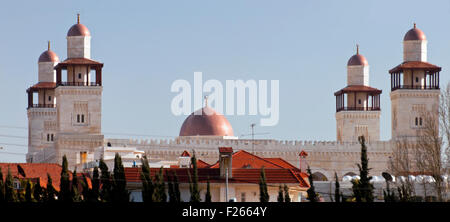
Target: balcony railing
point(78, 84)
point(414, 87)
point(358, 109)
point(43, 106)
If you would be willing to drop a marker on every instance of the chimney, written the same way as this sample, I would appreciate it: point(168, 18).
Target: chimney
point(225, 161)
point(184, 161)
point(303, 163)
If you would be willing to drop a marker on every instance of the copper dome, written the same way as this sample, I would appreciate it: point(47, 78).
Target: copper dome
point(414, 34)
point(357, 60)
point(48, 56)
point(209, 123)
point(78, 30)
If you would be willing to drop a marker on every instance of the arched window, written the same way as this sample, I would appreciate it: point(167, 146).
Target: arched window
point(318, 176)
point(417, 121)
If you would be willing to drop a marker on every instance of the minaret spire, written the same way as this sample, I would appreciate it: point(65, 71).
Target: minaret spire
point(48, 45)
point(78, 18)
point(357, 49)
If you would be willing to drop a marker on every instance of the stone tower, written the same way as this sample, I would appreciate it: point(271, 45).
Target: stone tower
point(73, 118)
point(414, 87)
point(41, 111)
point(358, 104)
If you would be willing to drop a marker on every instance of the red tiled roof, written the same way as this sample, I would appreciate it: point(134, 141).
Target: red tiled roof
point(280, 162)
point(277, 176)
point(358, 88)
point(35, 171)
point(202, 164)
point(244, 159)
point(38, 172)
point(415, 65)
point(225, 149)
point(78, 61)
point(303, 153)
point(43, 85)
point(185, 153)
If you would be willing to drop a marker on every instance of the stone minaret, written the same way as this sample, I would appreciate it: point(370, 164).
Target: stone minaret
point(358, 104)
point(79, 100)
point(41, 112)
point(414, 87)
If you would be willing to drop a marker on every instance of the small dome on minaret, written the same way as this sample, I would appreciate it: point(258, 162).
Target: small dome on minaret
point(357, 59)
point(48, 56)
point(414, 34)
point(78, 29)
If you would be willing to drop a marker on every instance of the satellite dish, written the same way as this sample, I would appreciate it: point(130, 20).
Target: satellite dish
point(387, 176)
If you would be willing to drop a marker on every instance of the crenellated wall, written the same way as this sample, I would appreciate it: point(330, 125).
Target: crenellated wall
point(325, 157)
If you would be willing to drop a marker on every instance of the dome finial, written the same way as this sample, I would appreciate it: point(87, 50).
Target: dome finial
point(357, 49)
point(49, 45)
point(414, 25)
point(206, 101)
point(78, 18)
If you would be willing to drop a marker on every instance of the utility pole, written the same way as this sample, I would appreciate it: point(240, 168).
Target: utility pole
point(226, 185)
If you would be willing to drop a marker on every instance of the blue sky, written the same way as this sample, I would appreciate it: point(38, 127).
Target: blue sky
point(146, 45)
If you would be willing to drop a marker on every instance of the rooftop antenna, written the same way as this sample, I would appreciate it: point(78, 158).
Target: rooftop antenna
point(253, 142)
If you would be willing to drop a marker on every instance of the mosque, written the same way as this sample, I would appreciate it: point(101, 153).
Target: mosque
point(65, 118)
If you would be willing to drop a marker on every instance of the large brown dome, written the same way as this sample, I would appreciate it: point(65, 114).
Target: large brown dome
point(209, 123)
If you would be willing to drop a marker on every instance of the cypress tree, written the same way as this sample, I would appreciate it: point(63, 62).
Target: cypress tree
point(74, 193)
point(280, 194)
point(337, 191)
point(312, 195)
point(263, 194)
point(176, 188)
point(86, 192)
point(363, 189)
point(50, 192)
point(120, 192)
point(193, 182)
point(147, 184)
point(2, 187)
point(208, 192)
point(10, 193)
point(94, 194)
point(65, 193)
point(171, 189)
point(28, 192)
point(37, 192)
point(105, 179)
point(287, 198)
point(159, 195)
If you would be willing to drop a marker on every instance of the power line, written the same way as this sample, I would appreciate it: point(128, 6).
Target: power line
point(11, 153)
point(13, 136)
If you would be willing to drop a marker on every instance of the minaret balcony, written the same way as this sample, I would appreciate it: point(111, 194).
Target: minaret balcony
point(357, 109)
point(42, 106)
point(78, 84)
point(415, 87)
